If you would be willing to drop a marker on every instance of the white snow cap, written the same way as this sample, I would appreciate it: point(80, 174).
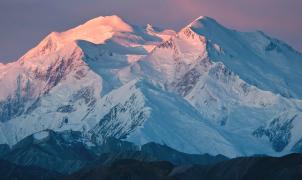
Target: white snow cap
point(96, 30)
point(115, 22)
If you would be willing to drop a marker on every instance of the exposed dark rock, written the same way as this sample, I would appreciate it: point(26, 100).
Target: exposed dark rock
point(66, 109)
point(11, 107)
point(272, 46)
point(87, 94)
point(111, 126)
point(278, 133)
point(187, 83)
point(221, 73)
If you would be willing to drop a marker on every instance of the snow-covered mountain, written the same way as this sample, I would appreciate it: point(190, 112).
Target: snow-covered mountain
point(204, 89)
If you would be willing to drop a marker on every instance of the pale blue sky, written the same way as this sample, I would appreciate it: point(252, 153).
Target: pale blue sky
point(23, 23)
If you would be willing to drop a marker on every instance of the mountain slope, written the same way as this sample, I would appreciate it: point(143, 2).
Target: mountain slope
point(287, 167)
point(62, 153)
point(11, 171)
point(184, 66)
point(258, 59)
point(68, 151)
point(68, 80)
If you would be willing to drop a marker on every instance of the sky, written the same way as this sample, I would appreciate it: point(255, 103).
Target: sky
point(23, 23)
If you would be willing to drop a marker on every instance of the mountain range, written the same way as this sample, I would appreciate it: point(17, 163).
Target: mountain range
point(63, 156)
point(204, 89)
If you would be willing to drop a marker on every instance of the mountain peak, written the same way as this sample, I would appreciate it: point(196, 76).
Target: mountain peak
point(110, 17)
point(205, 26)
point(202, 18)
point(203, 22)
point(149, 27)
point(114, 21)
point(96, 31)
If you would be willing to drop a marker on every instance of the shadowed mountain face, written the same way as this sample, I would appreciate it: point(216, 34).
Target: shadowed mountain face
point(10, 171)
point(248, 168)
point(50, 154)
point(127, 169)
point(56, 152)
point(285, 168)
point(66, 152)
